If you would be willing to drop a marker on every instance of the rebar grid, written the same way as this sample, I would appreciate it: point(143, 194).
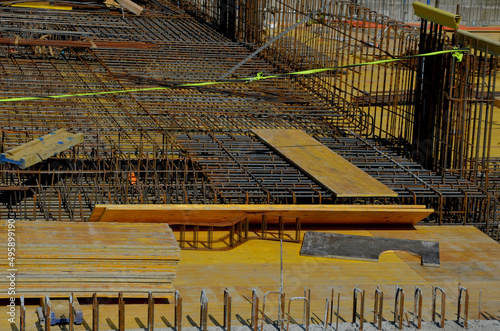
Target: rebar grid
point(451, 135)
point(192, 145)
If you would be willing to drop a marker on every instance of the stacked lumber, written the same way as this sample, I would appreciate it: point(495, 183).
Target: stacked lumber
point(83, 258)
point(41, 148)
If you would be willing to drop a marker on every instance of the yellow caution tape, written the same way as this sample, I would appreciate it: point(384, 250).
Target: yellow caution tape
point(259, 76)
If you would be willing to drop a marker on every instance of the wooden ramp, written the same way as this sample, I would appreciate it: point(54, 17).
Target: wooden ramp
point(327, 167)
point(226, 215)
point(58, 258)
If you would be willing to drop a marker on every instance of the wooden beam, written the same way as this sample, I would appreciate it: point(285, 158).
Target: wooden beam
point(226, 215)
point(327, 167)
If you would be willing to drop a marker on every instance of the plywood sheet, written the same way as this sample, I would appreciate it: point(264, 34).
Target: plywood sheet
point(321, 163)
point(225, 215)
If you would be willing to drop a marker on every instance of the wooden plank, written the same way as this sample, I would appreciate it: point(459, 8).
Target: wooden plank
point(41, 148)
point(327, 167)
point(225, 215)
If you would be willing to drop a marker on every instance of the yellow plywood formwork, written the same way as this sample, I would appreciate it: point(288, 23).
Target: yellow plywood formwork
point(321, 163)
point(468, 257)
point(59, 258)
point(226, 215)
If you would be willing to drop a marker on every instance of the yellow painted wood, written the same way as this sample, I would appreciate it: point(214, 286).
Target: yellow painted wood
point(256, 265)
point(43, 5)
point(321, 163)
point(63, 257)
point(468, 257)
point(225, 215)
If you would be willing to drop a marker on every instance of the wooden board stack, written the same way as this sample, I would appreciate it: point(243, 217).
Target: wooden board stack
point(59, 258)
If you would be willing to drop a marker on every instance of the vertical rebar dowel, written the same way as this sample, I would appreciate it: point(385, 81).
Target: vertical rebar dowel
point(121, 312)
point(255, 310)
point(443, 304)
point(182, 236)
point(378, 308)
point(327, 313)
point(71, 312)
point(203, 311)
point(479, 306)
point(297, 229)
point(178, 311)
point(417, 307)
point(306, 314)
point(282, 311)
point(331, 306)
point(462, 290)
point(281, 227)
point(281, 308)
point(338, 312)
point(48, 312)
point(399, 307)
point(95, 313)
point(246, 225)
point(151, 311)
point(307, 294)
point(281, 265)
point(22, 315)
point(264, 226)
point(227, 310)
point(361, 308)
point(231, 236)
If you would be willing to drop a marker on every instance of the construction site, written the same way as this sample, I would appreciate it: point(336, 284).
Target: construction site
point(249, 165)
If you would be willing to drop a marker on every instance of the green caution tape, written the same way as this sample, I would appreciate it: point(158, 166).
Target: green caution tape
point(458, 53)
